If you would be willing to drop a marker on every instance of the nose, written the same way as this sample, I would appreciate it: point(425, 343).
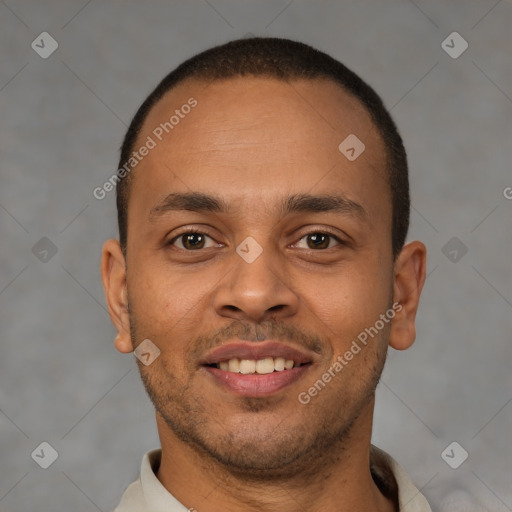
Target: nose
point(258, 290)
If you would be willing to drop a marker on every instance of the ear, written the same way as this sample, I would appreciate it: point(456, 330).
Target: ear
point(409, 277)
point(113, 275)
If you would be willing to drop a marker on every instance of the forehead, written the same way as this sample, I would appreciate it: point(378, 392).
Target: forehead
point(251, 137)
point(249, 104)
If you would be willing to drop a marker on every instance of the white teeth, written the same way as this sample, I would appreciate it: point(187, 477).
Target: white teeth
point(247, 366)
point(234, 365)
point(259, 366)
point(265, 365)
point(279, 364)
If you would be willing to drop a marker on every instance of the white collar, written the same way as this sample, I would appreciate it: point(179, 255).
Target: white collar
point(148, 495)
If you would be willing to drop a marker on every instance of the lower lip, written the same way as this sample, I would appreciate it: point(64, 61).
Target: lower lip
point(255, 385)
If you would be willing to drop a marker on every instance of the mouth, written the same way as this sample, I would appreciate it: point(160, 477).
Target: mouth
point(256, 366)
point(256, 370)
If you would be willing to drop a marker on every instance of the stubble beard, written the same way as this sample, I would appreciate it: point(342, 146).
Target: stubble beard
point(305, 449)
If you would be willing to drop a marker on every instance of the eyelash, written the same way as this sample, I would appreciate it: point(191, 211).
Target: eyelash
point(197, 232)
point(340, 241)
point(188, 232)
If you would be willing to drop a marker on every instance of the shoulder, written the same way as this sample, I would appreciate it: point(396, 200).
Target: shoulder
point(450, 495)
point(396, 481)
point(132, 499)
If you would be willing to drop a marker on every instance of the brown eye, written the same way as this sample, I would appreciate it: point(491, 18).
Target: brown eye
point(318, 240)
point(191, 241)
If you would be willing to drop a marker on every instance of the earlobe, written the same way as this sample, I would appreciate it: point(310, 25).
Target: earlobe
point(409, 277)
point(113, 275)
point(123, 343)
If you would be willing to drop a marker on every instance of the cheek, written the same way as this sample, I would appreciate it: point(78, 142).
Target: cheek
point(351, 301)
point(165, 306)
point(161, 295)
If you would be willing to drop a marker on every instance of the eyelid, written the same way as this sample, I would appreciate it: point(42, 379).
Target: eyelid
point(342, 240)
point(200, 231)
point(187, 230)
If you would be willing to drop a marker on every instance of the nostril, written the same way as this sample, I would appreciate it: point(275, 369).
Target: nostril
point(278, 306)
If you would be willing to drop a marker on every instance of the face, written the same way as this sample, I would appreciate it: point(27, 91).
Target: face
point(255, 245)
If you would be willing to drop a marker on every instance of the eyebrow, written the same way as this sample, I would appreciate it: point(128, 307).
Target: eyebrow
point(192, 201)
point(297, 203)
point(307, 203)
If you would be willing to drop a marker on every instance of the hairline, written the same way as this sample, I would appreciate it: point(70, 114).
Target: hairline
point(202, 79)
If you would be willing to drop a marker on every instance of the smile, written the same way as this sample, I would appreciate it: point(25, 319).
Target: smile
point(257, 366)
point(257, 369)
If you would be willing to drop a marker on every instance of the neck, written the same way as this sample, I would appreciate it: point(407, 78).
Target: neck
point(339, 481)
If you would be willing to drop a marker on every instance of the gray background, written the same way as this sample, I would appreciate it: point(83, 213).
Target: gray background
point(62, 121)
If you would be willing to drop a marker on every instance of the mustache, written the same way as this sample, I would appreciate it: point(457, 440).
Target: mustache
point(256, 333)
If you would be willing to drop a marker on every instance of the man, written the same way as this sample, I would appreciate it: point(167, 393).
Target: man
point(260, 276)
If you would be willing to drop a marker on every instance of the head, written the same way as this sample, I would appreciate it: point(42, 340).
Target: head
point(246, 228)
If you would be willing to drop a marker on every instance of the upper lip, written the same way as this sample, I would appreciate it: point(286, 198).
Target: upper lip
point(255, 351)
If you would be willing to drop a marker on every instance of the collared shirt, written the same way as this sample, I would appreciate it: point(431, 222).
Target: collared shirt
point(147, 494)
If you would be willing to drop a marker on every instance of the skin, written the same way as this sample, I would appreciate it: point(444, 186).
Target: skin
point(252, 142)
